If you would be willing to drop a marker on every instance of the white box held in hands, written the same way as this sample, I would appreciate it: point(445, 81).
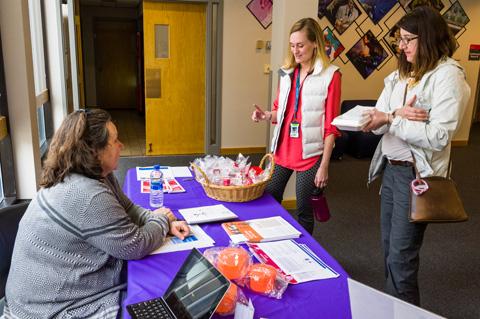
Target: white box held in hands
point(353, 120)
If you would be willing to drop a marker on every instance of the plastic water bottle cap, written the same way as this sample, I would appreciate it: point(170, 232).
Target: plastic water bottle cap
point(156, 167)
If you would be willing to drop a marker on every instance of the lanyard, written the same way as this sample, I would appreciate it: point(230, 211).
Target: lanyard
point(298, 86)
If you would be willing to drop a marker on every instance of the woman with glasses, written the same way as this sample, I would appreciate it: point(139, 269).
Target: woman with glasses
point(418, 113)
point(308, 100)
point(68, 260)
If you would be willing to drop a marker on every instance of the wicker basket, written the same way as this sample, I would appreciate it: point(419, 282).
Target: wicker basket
point(235, 193)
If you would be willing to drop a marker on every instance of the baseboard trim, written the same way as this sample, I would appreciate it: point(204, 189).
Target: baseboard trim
point(243, 150)
point(460, 143)
point(289, 203)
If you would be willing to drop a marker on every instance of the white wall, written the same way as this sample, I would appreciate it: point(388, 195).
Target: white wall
point(243, 79)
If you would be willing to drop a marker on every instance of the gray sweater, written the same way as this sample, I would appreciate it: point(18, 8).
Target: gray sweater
point(69, 251)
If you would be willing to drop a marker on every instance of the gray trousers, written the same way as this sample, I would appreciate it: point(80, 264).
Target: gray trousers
point(305, 184)
point(401, 239)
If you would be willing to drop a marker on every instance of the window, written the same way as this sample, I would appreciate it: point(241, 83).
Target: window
point(38, 55)
point(161, 41)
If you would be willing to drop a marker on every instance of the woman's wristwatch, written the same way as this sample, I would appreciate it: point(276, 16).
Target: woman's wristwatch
point(391, 117)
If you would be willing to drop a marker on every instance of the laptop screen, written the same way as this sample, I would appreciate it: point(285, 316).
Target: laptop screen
point(197, 288)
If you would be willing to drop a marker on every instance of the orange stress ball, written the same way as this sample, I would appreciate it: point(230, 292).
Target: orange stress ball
point(228, 302)
point(233, 262)
point(262, 278)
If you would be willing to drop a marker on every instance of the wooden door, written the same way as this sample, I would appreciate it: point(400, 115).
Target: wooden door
point(115, 63)
point(174, 51)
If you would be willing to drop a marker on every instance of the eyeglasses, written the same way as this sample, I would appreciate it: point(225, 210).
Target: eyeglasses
point(406, 41)
point(419, 186)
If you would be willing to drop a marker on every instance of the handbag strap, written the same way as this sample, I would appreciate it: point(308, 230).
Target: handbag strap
point(417, 175)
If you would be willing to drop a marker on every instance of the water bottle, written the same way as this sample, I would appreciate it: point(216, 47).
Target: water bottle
point(156, 187)
point(319, 205)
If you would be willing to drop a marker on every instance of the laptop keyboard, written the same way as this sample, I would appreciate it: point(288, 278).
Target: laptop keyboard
point(150, 309)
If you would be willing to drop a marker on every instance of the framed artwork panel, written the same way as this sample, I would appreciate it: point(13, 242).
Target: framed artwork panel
point(342, 14)
point(391, 40)
point(333, 47)
point(377, 9)
point(437, 4)
point(322, 8)
point(262, 11)
point(367, 54)
point(456, 17)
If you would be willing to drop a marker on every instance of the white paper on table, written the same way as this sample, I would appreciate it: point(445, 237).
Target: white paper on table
point(180, 171)
point(274, 228)
point(260, 229)
point(295, 261)
point(205, 214)
point(143, 172)
point(244, 311)
point(197, 239)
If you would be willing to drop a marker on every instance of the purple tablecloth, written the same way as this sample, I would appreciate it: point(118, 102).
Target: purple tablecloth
point(149, 278)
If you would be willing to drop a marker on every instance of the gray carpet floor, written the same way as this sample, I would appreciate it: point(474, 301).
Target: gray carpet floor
point(449, 275)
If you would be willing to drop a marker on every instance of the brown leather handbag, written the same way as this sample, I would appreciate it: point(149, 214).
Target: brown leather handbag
point(435, 199)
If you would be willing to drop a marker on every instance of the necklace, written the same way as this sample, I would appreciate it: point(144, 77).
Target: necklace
point(411, 82)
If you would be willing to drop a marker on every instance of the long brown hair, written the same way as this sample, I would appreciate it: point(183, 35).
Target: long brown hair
point(75, 147)
point(314, 34)
point(435, 41)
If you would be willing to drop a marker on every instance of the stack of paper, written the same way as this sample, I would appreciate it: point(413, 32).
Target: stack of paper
point(297, 261)
point(352, 120)
point(197, 239)
point(262, 229)
point(143, 173)
point(205, 214)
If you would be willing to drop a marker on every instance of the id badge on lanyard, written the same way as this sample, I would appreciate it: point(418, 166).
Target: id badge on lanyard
point(295, 125)
point(294, 129)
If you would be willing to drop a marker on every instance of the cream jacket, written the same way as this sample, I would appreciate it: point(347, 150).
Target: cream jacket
point(444, 92)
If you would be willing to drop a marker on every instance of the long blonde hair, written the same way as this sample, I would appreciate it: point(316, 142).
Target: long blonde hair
point(314, 34)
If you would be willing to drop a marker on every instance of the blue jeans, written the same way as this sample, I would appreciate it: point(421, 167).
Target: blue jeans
point(401, 239)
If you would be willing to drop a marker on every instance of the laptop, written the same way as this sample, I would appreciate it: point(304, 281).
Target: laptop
point(194, 293)
point(369, 303)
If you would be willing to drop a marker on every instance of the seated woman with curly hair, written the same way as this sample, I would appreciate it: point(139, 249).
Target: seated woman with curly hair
point(68, 260)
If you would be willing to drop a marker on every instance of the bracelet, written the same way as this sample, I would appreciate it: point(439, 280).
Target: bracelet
point(390, 117)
